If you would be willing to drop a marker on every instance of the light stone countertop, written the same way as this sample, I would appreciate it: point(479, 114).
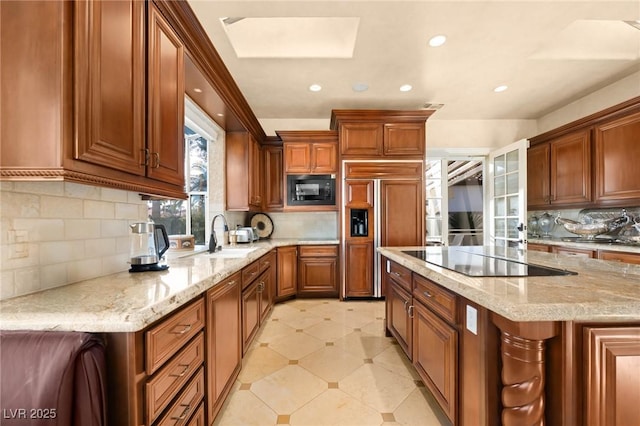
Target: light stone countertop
point(602, 291)
point(129, 302)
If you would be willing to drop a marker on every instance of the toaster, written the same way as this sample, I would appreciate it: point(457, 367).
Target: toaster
point(246, 235)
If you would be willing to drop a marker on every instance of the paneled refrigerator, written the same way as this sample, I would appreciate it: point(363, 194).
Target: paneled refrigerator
point(382, 206)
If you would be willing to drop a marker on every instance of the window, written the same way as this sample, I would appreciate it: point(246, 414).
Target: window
point(454, 190)
point(190, 216)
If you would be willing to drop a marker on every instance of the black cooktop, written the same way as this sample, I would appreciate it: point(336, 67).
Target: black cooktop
point(474, 262)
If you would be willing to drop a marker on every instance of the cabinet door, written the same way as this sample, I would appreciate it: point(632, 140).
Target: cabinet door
point(399, 322)
point(324, 158)
point(404, 139)
point(287, 271)
point(361, 139)
point(274, 178)
point(318, 275)
point(250, 314)
point(110, 84)
point(538, 176)
point(358, 268)
point(237, 165)
point(435, 345)
point(264, 288)
point(359, 193)
point(223, 340)
point(402, 213)
point(165, 101)
point(571, 169)
point(612, 359)
point(255, 173)
point(297, 158)
point(616, 156)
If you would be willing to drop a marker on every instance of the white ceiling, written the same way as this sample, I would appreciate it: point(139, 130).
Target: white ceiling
point(548, 52)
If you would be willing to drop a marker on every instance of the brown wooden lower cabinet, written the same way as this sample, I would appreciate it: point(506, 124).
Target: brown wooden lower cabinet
point(435, 357)
point(287, 272)
point(575, 252)
point(224, 357)
point(399, 321)
point(619, 256)
point(359, 273)
point(538, 247)
point(318, 271)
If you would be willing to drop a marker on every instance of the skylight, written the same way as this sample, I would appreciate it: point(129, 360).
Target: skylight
point(297, 37)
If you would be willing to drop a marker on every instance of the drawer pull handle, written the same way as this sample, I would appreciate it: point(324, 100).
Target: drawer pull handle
point(410, 311)
point(185, 368)
point(185, 413)
point(232, 282)
point(426, 293)
point(397, 274)
point(184, 330)
point(405, 306)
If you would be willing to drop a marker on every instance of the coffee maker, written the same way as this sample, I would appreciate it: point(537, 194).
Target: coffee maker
point(148, 244)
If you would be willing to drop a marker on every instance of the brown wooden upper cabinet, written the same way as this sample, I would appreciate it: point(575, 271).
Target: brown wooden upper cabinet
point(243, 172)
point(559, 171)
point(98, 121)
point(310, 152)
point(378, 133)
point(104, 116)
point(617, 150)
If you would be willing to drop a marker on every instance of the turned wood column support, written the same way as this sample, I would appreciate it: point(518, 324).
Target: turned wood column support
point(522, 349)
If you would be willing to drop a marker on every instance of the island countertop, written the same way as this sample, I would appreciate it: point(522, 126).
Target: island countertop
point(601, 291)
point(129, 302)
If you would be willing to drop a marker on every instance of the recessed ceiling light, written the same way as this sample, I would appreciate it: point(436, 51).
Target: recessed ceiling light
point(500, 88)
point(315, 88)
point(197, 90)
point(437, 41)
point(405, 88)
point(360, 87)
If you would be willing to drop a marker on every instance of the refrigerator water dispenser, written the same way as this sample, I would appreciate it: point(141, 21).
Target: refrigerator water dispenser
point(359, 223)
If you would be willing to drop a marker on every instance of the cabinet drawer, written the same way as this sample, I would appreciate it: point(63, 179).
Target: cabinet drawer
point(566, 251)
point(166, 338)
point(619, 256)
point(164, 385)
point(435, 297)
point(267, 261)
point(250, 273)
point(187, 403)
point(319, 251)
point(198, 418)
point(399, 274)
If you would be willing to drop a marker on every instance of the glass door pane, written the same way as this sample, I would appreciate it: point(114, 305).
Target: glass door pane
point(508, 195)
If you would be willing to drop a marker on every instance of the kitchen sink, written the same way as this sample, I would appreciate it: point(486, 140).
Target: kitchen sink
point(232, 252)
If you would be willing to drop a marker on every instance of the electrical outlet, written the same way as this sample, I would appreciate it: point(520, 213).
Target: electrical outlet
point(472, 319)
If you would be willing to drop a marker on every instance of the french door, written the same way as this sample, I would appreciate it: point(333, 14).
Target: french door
point(508, 196)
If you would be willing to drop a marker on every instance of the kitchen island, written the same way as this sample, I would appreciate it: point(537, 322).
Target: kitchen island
point(521, 350)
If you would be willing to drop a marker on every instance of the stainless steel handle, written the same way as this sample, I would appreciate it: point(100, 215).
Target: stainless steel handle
point(426, 293)
point(185, 413)
point(232, 282)
point(410, 311)
point(186, 329)
point(185, 368)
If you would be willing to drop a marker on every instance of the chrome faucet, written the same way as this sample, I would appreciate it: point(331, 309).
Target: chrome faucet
point(213, 241)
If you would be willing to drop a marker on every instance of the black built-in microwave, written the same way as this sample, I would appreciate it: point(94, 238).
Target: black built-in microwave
point(311, 190)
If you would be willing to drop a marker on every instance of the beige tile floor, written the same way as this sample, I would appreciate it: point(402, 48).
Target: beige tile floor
point(326, 362)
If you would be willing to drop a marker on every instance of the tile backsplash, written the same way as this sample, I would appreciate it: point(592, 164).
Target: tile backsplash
point(56, 233)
